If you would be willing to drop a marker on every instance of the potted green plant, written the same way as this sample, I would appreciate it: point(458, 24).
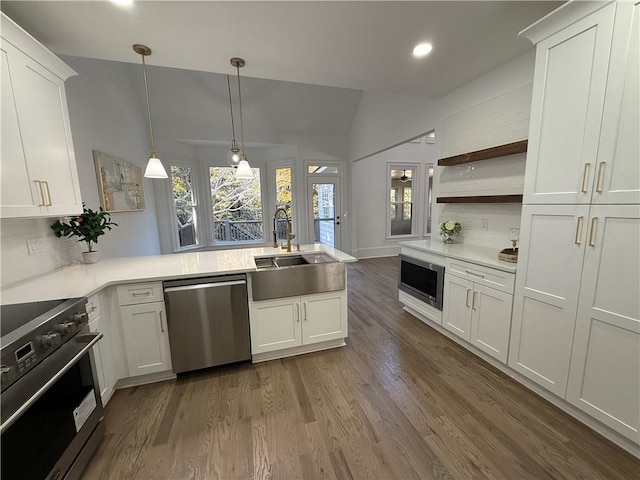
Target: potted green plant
point(88, 227)
point(449, 230)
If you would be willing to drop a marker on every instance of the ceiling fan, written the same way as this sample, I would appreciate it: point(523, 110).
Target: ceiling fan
point(404, 178)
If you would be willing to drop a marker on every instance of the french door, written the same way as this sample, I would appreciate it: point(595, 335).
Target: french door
point(324, 210)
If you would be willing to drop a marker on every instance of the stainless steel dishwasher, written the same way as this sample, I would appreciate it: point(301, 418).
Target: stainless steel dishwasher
point(208, 321)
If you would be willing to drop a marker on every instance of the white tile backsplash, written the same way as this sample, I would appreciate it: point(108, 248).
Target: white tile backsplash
point(500, 218)
point(15, 262)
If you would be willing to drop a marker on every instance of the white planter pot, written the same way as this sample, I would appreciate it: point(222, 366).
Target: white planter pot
point(91, 257)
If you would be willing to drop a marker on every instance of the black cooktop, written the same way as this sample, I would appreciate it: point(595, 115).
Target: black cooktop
point(16, 315)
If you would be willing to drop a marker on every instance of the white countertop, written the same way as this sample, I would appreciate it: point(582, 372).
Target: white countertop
point(80, 280)
point(485, 256)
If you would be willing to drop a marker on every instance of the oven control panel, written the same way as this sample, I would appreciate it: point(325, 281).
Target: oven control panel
point(28, 350)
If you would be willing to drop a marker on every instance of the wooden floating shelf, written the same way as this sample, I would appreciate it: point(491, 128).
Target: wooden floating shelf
point(482, 199)
point(486, 154)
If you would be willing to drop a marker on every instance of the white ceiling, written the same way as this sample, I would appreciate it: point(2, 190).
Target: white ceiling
point(357, 45)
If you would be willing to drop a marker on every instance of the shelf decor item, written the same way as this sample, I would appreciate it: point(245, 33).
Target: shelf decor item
point(87, 227)
point(511, 254)
point(449, 230)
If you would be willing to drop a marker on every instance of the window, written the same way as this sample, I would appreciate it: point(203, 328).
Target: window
point(283, 199)
point(322, 169)
point(236, 206)
point(401, 198)
point(184, 205)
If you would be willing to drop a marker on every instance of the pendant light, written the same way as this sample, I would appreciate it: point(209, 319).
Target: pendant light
point(243, 172)
point(154, 169)
point(233, 156)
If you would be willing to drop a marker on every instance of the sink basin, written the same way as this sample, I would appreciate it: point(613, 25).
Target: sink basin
point(281, 276)
point(289, 261)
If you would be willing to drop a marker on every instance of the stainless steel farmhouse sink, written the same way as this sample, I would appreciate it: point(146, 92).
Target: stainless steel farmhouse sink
point(291, 275)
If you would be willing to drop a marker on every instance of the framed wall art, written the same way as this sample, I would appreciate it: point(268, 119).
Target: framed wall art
point(120, 183)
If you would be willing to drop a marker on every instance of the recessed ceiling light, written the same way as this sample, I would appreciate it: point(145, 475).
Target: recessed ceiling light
point(422, 49)
point(123, 3)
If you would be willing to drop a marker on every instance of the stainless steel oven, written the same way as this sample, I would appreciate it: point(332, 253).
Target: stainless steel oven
point(421, 279)
point(51, 410)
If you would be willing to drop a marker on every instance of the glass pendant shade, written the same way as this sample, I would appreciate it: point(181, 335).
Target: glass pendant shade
point(244, 170)
point(233, 155)
point(154, 168)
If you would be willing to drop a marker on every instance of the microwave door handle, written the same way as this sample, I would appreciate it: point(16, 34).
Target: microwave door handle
point(34, 398)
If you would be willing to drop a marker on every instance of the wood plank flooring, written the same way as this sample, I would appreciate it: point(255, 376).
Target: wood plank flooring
point(399, 401)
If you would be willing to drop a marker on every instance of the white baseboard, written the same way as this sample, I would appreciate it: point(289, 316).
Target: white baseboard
point(144, 379)
point(375, 252)
point(290, 352)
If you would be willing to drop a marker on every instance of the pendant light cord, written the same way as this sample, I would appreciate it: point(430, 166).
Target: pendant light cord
point(240, 102)
point(146, 89)
point(233, 128)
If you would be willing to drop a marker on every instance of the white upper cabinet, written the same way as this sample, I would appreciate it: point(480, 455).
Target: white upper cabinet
point(617, 174)
point(38, 166)
point(604, 379)
point(569, 87)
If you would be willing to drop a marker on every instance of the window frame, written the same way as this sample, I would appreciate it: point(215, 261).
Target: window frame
point(415, 204)
point(195, 174)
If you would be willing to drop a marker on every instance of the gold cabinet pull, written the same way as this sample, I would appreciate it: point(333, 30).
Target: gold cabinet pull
point(585, 176)
point(297, 312)
point(42, 202)
point(467, 299)
point(46, 184)
point(600, 179)
point(304, 306)
point(161, 325)
point(592, 233)
point(579, 230)
point(473, 304)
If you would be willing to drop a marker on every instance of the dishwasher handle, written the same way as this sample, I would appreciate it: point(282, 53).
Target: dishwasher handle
point(199, 286)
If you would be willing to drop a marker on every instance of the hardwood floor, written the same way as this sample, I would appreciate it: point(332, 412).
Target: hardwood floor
point(399, 401)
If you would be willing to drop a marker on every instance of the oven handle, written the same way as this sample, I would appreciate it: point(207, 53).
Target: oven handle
point(34, 398)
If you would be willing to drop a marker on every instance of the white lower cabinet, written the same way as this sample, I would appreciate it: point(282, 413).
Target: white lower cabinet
point(294, 321)
point(144, 326)
point(103, 355)
point(478, 314)
point(604, 378)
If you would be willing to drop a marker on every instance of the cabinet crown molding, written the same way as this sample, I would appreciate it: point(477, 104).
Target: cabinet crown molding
point(561, 17)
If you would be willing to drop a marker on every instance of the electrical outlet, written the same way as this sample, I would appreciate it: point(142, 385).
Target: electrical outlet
point(34, 245)
point(484, 224)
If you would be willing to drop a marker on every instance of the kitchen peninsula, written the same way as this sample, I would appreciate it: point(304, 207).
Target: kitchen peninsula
point(126, 303)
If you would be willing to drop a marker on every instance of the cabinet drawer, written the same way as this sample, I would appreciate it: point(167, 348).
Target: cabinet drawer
point(140, 293)
point(489, 277)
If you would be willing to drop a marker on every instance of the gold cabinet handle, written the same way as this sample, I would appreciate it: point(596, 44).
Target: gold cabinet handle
point(579, 230)
point(592, 233)
point(46, 184)
point(473, 304)
point(42, 202)
point(304, 306)
point(585, 176)
point(297, 312)
point(600, 179)
point(143, 294)
point(467, 299)
point(161, 325)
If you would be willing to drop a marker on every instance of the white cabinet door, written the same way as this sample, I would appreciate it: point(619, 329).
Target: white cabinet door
point(491, 321)
point(46, 135)
point(104, 360)
point(275, 324)
point(605, 364)
point(146, 339)
point(546, 293)
point(456, 315)
point(324, 317)
point(17, 198)
point(617, 177)
point(568, 95)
